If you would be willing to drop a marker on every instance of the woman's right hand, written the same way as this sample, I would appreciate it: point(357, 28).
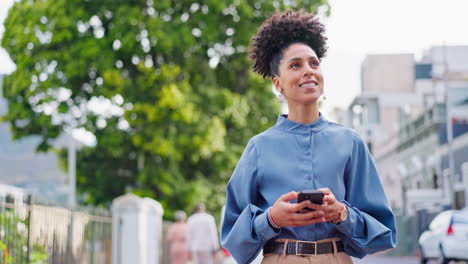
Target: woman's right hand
point(283, 213)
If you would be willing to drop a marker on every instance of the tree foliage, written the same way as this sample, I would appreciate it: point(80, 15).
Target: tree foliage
point(165, 86)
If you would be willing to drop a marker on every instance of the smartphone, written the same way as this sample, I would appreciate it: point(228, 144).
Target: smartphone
point(314, 196)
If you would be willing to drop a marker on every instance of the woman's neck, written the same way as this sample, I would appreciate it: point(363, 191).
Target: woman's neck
point(304, 114)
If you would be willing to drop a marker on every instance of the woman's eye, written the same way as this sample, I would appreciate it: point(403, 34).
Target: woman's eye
point(315, 63)
point(295, 65)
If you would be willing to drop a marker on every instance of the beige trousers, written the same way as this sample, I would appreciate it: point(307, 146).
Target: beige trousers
point(332, 258)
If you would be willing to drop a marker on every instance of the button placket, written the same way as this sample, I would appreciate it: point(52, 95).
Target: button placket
point(310, 176)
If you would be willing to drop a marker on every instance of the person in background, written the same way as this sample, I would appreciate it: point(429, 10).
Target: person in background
point(303, 151)
point(202, 236)
point(177, 236)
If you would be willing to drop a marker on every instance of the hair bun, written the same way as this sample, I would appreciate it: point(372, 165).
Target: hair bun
point(282, 29)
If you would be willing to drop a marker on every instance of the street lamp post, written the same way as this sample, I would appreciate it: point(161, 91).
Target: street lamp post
point(71, 194)
point(71, 171)
point(449, 129)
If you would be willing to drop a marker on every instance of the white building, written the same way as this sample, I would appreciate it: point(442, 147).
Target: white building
point(12, 194)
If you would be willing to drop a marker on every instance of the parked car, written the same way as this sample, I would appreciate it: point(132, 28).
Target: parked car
point(447, 237)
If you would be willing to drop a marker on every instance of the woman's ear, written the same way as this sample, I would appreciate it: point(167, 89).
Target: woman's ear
point(276, 83)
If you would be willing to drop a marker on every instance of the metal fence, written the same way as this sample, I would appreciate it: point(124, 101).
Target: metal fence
point(39, 234)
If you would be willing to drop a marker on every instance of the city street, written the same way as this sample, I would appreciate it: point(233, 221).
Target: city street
point(386, 260)
point(394, 260)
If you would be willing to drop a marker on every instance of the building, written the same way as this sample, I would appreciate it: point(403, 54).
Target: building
point(423, 161)
point(401, 114)
point(387, 89)
point(12, 194)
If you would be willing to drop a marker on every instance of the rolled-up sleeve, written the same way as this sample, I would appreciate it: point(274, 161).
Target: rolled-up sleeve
point(370, 226)
point(245, 227)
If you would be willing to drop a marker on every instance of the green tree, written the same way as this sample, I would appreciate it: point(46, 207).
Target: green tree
point(165, 86)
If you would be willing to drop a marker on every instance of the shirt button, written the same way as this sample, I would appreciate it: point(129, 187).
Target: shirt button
point(307, 153)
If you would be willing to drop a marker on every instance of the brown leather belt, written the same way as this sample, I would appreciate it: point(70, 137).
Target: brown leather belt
point(304, 248)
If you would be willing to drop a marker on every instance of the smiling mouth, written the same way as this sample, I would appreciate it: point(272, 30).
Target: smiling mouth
point(308, 85)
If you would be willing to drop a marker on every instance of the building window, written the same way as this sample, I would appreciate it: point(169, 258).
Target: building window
point(435, 179)
point(459, 200)
point(369, 147)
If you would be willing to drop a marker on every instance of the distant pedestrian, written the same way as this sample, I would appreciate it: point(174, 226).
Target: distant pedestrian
point(202, 236)
point(177, 236)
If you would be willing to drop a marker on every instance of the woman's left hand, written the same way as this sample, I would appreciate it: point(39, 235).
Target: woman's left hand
point(331, 207)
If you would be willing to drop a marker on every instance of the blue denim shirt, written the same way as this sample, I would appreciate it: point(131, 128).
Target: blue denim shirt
point(291, 157)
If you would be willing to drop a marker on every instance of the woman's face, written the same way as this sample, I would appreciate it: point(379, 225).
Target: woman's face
point(300, 77)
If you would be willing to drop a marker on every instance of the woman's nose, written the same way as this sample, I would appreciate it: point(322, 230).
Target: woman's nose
point(308, 70)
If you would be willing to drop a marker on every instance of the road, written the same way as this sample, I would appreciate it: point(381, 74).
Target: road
point(395, 260)
point(386, 260)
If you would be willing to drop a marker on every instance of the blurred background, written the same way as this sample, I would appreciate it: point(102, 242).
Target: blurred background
point(155, 99)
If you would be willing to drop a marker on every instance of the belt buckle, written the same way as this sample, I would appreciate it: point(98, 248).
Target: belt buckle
point(306, 242)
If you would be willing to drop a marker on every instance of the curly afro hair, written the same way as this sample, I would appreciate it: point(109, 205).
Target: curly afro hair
point(280, 31)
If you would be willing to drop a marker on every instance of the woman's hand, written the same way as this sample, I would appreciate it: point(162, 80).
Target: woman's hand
point(331, 207)
point(284, 213)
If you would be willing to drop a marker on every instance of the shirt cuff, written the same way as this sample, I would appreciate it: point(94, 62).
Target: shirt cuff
point(263, 227)
point(347, 226)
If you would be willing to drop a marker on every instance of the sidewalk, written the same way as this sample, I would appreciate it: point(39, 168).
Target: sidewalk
point(374, 259)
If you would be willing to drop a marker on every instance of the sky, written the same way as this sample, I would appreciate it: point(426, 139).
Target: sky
point(357, 28)
point(6, 65)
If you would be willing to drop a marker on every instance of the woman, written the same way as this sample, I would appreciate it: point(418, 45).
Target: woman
point(303, 151)
point(177, 235)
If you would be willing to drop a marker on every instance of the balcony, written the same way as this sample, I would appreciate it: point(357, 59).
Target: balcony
point(421, 127)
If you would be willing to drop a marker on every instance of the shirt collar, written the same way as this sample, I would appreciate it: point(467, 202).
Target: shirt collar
point(283, 123)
